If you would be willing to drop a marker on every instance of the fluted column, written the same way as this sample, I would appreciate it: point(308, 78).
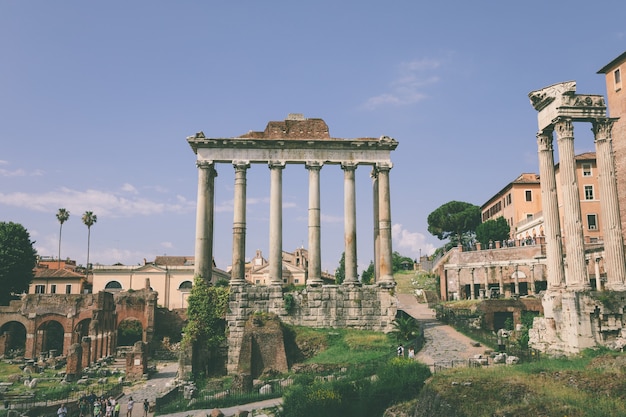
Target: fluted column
point(349, 214)
point(486, 280)
point(501, 283)
point(550, 207)
point(276, 223)
point(238, 271)
point(609, 205)
point(374, 175)
point(576, 276)
point(203, 263)
point(315, 248)
point(384, 225)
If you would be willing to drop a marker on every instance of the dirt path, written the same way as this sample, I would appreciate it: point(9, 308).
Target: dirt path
point(442, 342)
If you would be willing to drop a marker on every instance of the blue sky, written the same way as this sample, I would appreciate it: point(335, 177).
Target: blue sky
point(97, 99)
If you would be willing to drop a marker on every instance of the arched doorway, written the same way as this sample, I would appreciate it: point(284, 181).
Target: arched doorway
point(12, 339)
point(129, 332)
point(52, 334)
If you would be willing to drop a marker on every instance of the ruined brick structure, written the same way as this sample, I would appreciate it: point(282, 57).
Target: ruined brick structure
point(82, 327)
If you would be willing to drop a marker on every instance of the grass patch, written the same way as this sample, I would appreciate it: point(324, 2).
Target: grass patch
point(580, 386)
point(346, 347)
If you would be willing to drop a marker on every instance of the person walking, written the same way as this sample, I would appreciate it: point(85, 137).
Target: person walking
point(62, 411)
point(129, 407)
point(146, 407)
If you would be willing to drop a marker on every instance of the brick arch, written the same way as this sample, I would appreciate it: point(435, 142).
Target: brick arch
point(11, 335)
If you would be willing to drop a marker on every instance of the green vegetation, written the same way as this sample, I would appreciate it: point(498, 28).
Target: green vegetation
point(356, 394)
point(455, 220)
point(206, 314)
point(590, 385)
point(492, 231)
point(17, 260)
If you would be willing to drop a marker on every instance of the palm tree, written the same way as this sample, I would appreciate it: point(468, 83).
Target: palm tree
point(62, 216)
point(89, 219)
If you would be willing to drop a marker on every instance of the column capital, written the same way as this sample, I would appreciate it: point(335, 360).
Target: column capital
point(316, 165)
point(544, 139)
point(349, 166)
point(205, 164)
point(564, 127)
point(602, 127)
point(383, 166)
point(276, 164)
point(239, 165)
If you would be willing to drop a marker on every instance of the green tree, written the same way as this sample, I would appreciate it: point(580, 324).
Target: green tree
point(492, 230)
point(89, 219)
point(340, 272)
point(62, 216)
point(367, 276)
point(455, 220)
point(397, 260)
point(18, 258)
point(206, 312)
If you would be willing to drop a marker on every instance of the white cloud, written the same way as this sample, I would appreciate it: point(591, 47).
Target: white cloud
point(129, 188)
point(408, 88)
point(101, 202)
point(412, 244)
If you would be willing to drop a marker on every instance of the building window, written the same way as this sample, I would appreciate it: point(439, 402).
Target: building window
point(586, 170)
point(40, 289)
point(618, 79)
point(588, 192)
point(68, 289)
point(53, 289)
point(529, 216)
point(296, 281)
point(592, 222)
point(529, 195)
point(508, 198)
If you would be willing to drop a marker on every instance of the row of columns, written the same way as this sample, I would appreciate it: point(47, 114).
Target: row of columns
point(573, 275)
point(382, 223)
point(516, 281)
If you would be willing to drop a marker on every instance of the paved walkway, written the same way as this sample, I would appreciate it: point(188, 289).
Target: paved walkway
point(443, 342)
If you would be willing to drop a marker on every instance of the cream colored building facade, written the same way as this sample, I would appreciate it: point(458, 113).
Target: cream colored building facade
point(170, 276)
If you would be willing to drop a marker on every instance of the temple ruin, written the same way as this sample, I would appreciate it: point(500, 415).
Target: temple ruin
point(575, 316)
point(303, 141)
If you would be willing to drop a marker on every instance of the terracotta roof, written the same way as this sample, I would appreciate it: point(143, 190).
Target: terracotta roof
point(174, 260)
point(43, 273)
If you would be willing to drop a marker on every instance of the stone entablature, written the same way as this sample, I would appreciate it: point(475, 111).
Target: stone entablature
point(329, 306)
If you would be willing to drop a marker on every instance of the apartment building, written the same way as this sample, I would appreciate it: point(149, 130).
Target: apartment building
point(614, 72)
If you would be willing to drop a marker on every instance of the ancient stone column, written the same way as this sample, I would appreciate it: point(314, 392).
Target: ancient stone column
point(349, 214)
point(609, 205)
point(596, 269)
point(375, 192)
point(472, 293)
point(486, 280)
point(458, 282)
point(315, 249)
point(575, 277)
point(550, 207)
point(276, 223)
point(501, 282)
point(238, 271)
point(203, 264)
point(384, 225)
point(516, 279)
point(533, 289)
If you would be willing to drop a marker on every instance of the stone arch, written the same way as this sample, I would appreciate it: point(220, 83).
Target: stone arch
point(113, 286)
point(51, 335)
point(129, 331)
point(81, 330)
point(12, 338)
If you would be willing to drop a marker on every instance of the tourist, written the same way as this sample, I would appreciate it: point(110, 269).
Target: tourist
point(401, 350)
point(411, 353)
point(129, 407)
point(62, 411)
point(83, 407)
point(97, 409)
point(146, 407)
point(116, 409)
